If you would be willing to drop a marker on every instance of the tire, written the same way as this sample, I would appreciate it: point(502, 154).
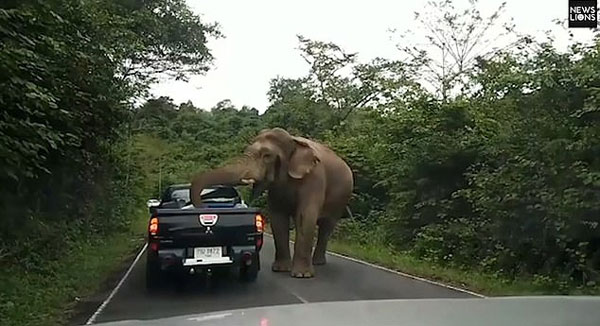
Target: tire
point(153, 275)
point(250, 273)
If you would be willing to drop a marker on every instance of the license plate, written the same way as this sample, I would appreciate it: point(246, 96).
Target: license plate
point(207, 252)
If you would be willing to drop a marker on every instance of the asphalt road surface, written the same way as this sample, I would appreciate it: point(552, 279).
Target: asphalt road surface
point(339, 280)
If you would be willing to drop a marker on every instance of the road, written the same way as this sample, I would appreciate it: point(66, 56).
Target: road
point(340, 279)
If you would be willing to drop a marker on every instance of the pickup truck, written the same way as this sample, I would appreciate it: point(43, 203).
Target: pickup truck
point(222, 234)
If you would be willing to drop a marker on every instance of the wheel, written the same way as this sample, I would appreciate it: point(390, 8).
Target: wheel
point(250, 273)
point(153, 275)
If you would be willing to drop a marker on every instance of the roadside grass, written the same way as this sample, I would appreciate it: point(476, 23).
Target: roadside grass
point(48, 297)
point(473, 280)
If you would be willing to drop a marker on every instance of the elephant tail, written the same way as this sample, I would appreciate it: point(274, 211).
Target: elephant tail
point(347, 213)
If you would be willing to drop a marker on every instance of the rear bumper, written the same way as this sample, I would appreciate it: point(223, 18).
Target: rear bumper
point(174, 258)
point(194, 262)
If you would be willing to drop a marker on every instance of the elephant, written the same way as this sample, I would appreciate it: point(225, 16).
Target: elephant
point(305, 181)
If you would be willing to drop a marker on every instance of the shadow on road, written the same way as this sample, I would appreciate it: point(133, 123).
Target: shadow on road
point(199, 285)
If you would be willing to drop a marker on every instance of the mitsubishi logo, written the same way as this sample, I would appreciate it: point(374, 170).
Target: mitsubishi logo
point(208, 219)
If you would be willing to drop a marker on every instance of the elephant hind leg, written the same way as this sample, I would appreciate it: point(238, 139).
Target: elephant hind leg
point(326, 226)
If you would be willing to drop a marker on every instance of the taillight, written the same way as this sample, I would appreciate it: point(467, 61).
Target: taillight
point(260, 223)
point(153, 227)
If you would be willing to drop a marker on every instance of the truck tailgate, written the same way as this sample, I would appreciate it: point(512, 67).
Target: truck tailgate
point(180, 228)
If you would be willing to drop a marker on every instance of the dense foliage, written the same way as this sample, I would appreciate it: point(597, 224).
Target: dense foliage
point(175, 141)
point(69, 71)
point(506, 180)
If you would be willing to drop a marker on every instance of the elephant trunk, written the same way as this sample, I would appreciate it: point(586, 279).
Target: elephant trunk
point(232, 174)
point(242, 172)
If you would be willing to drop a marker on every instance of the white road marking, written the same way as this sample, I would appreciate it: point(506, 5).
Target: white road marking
point(210, 317)
point(399, 273)
point(406, 275)
point(116, 289)
point(299, 297)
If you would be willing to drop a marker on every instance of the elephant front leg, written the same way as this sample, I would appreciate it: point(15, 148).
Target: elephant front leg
point(281, 234)
point(302, 266)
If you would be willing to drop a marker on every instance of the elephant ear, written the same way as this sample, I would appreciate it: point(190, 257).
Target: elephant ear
point(303, 159)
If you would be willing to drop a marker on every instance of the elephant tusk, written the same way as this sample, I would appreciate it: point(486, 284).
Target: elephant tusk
point(248, 181)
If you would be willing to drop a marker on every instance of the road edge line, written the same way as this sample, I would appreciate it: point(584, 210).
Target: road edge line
point(418, 278)
point(98, 311)
point(299, 297)
point(414, 277)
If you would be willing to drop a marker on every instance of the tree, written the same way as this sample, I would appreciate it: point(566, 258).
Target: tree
point(69, 71)
point(295, 108)
point(335, 86)
point(158, 38)
point(454, 41)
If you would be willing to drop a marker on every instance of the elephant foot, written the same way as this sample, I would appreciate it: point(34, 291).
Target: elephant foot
point(319, 260)
point(281, 266)
point(302, 272)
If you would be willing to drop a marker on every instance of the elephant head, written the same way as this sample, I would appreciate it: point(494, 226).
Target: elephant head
point(273, 157)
